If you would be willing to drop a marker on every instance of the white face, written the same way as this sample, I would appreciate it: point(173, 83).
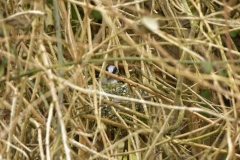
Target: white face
point(112, 69)
point(109, 80)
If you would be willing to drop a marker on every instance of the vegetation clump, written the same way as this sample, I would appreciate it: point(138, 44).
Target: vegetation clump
point(177, 95)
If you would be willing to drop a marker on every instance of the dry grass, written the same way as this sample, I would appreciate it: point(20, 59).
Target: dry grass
point(178, 95)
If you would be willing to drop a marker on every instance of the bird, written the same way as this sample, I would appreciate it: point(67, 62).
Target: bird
point(109, 80)
point(112, 69)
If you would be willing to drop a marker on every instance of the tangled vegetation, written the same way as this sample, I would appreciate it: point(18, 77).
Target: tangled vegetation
point(177, 95)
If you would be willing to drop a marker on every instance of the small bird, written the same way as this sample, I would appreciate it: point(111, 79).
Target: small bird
point(109, 80)
point(112, 69)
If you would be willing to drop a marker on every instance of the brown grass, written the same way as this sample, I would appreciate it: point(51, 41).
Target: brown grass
point(178, 90)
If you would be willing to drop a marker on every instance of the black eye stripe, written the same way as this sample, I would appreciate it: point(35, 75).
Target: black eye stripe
point(115, 70)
